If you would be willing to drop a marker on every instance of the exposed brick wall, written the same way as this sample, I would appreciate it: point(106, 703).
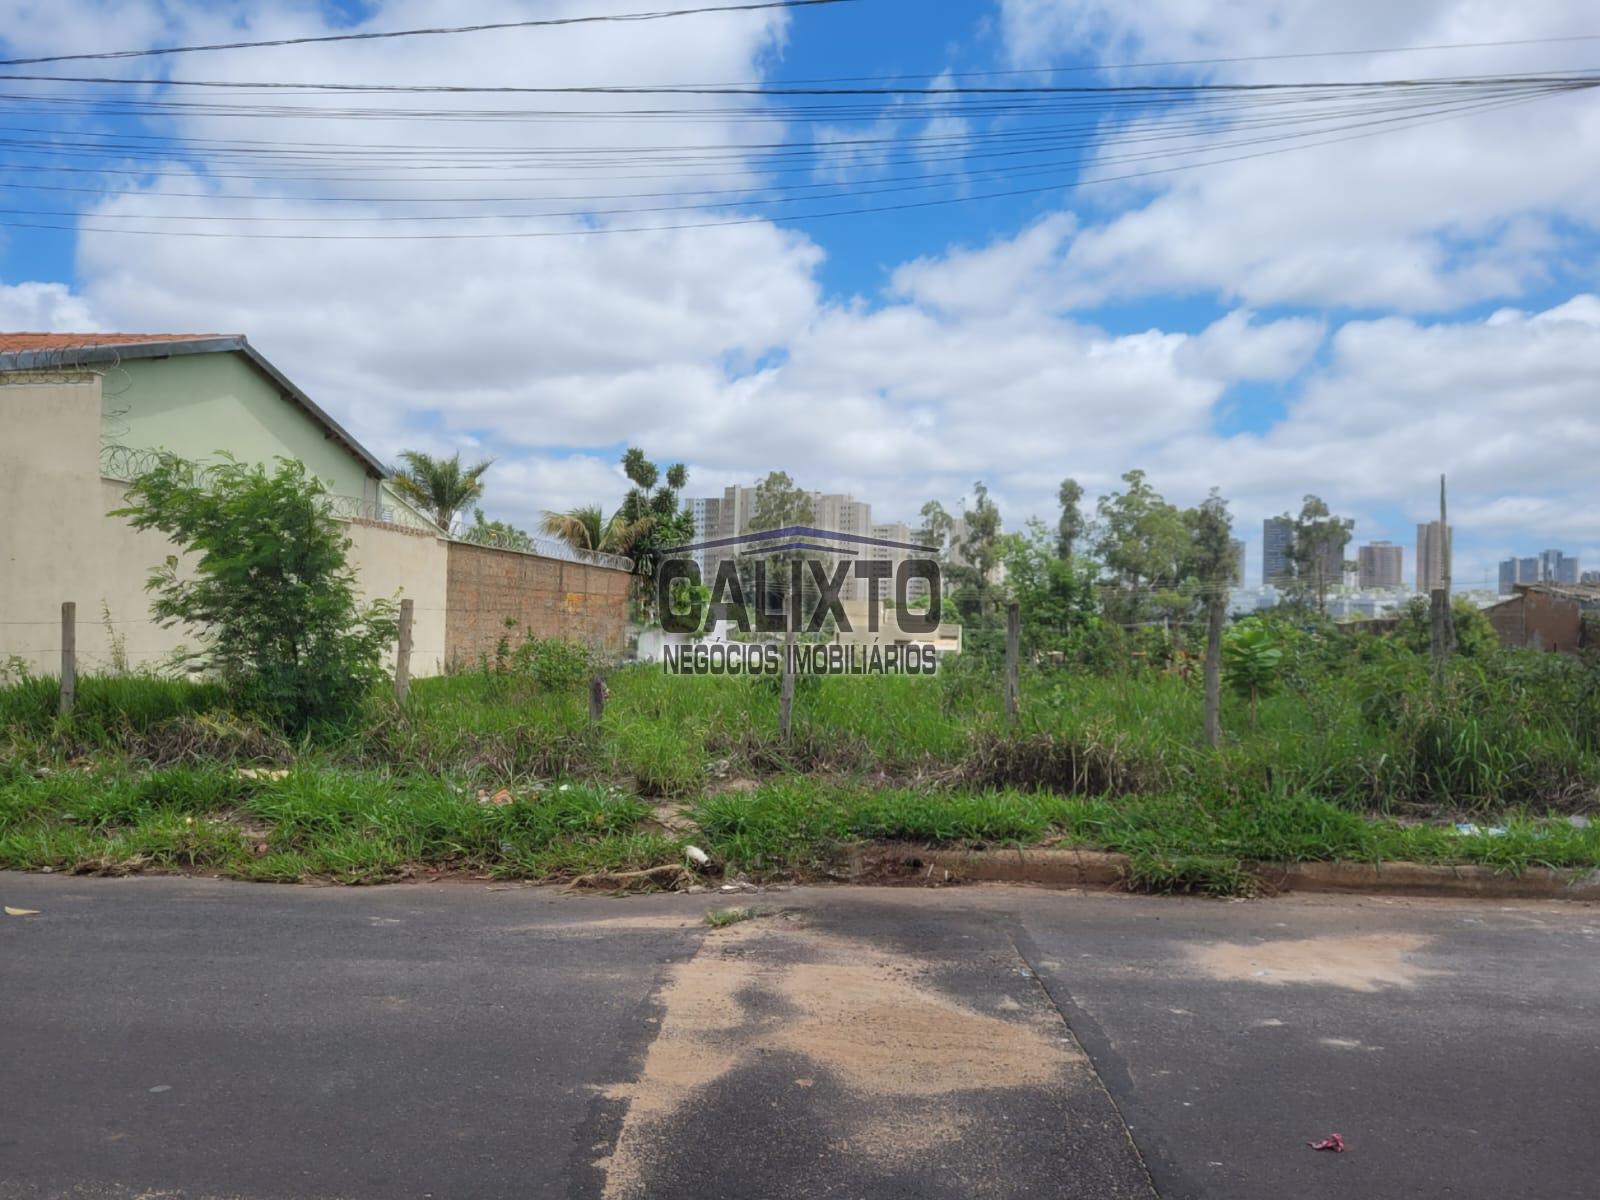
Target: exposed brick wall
point(1537, 621)
point(553, 598)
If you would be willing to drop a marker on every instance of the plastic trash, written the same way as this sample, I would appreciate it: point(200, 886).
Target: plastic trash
point(1332, 1142)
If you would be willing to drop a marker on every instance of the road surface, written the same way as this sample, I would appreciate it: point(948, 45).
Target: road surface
point(196, 1038)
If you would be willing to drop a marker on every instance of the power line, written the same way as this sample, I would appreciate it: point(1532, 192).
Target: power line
point(826, 214)
point(758, 194)
point(657, 15)
point(1171, 90)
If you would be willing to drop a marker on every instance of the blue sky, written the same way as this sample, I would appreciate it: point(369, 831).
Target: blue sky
point(1348, 319)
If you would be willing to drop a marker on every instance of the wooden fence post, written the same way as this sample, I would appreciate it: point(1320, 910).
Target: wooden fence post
point(69, 656)
point(1216, 611)
point(1013, 654)
point(786, 695)
point(402, 658)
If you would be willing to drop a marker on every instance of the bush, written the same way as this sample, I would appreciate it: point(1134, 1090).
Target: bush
point(268, 587)
point(555, 665)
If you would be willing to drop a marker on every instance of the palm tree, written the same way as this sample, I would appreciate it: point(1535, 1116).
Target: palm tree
point(441, 486)
point(588, 528)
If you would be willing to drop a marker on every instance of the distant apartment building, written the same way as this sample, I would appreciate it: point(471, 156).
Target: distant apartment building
point(1277, 551)
point(1592, 578)
point(1557, 567)
point(1548, 566)
point(1277, 555)
point(705, 513)
point(1433, 556)
point(917, 587)
point(730, 515)
point(1380, 565)
point(1237, 547)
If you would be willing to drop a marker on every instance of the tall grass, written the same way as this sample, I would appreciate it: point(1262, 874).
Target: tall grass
point(1515, 730)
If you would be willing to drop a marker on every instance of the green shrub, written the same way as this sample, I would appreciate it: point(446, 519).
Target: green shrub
point(267, 585)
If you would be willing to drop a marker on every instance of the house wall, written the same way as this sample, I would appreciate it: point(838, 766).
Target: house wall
point(1537, 621)
point(57, 542)
point(196, 405)
point(406, 564)
point(550, 597)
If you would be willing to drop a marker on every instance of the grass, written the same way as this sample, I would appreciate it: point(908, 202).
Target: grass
point(316, 823)
point(1361, 761)
point(721, 918)
point(1175, 842)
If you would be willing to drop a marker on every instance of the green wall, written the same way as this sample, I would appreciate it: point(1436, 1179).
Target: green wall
point(199, 404)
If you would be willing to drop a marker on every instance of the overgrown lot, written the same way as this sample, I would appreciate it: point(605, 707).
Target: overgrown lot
point(1359, 753)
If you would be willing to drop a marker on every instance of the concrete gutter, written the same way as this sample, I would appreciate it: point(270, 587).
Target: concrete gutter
point(1054, 867)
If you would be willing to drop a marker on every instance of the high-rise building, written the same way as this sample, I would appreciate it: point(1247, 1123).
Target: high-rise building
point(731, 515)
point(1380, 565)
point(1508, 576)
point(1277, 550)
point(1237, 547)
point(1277, 555)
point(1433, 556)
point(898, 531)
point(1556, 567)
point(1590, 577)
point(1549, 566)
point(706, 513)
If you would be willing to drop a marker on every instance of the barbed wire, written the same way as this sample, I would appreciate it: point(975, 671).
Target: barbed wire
point(519, 542)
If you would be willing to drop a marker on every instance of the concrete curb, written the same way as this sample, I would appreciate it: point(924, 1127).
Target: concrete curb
point(1055, 867)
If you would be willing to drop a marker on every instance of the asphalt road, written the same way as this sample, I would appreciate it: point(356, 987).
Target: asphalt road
point(193, 1038)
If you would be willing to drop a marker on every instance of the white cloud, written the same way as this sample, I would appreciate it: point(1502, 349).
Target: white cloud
point(44, 307)
point(1430, 218)
point(719, 348)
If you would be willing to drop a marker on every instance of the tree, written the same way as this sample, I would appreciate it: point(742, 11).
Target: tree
point(268, 586)
point(1145, 545)
point(976, 552)
point(500, 534)
point(1474, 632)
point(441, 486)
point(1211, 566)
point(1253, 656)
point(936, 526)
point(1070, 528)
point(588, 528)
point(780, 503)
point(651, 510)
point(1317, 551)
point(1060, 611)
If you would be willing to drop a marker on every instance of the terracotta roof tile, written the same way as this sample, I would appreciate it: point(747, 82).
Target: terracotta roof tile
point(21, 343)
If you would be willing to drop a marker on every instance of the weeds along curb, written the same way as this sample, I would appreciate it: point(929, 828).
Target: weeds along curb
point(1098, 869)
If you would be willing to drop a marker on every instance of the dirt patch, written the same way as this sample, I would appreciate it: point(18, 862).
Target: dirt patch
point(669, 817)
point(867, 1018)
point(1361, 964)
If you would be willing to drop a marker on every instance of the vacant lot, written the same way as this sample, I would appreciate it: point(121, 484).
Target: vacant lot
point(1357, 755)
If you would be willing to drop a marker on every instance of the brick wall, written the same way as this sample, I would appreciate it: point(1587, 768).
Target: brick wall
point(552, 597)
point(1537, 621)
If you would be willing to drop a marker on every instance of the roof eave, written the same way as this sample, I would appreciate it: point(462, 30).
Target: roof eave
point(66, 358)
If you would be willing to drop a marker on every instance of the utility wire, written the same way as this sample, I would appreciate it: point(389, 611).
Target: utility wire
point(1171, 90)
point(750, 196)
point(657, 15)
point(612, 229)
